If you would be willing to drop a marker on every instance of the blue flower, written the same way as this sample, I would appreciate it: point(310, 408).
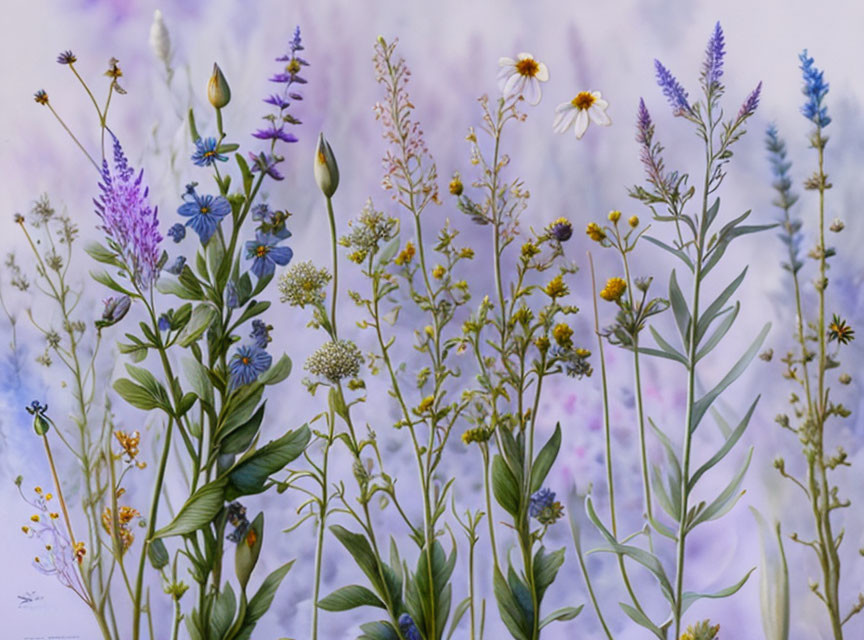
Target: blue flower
point(672, 89)
point(712, 68)
point(266, 255)
point(409, 628)
point(272, 222)
point(261, 333)
point(231, 299)
point(164, 323)
point(206, 212)
point(266, 163)
point(176, 267)
point(207, 152)
point(247, 363)
point(815, 88)
point(177, 232)
point(541, 500)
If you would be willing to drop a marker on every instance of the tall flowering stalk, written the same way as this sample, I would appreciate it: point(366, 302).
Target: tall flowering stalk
point(519, 336)
point(701, 328)
point(218, 416)
point(811, 362)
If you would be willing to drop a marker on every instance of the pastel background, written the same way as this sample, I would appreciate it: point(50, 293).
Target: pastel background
point(452, 47)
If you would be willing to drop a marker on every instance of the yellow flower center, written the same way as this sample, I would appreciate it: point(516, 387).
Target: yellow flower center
point(205, 210)
point(528, 67)
point(208, 154)
point(583, 100)
point(245, 360)
point(261, 251)
point(293, 66)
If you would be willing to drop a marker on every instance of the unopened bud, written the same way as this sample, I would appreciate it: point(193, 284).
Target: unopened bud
point(218, 91)
point(326, 170)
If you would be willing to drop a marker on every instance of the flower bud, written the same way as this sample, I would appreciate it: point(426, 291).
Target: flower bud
point(218, 91)
point(614, 216)
point(326, 170)
point(160, 39)
point(115, 309)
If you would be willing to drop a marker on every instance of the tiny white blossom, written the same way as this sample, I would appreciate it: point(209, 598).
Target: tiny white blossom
point(522, 76)
point(587, 106)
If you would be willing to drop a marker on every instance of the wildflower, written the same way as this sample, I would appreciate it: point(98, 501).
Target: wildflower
point(237, 519)
point(438, 272)
point(325, 168)
point(614, 289)
point(266, 255)
point(522, 76)
point(672, 89)
point(595, 232)
point(701, 631)
point(335, 360)
point(66, 57)
point(614, 216)
point(218, 91)
point(633, 221)
point(41, 423)
point(815, 89)
point(261, 333)
point(530, 249)
point(303, 284)
point(164, 323)
point(207, 152)
point(123, 533)
point(247, 364)
point(544, 508)
point(177, 232)
point(456, 188)
point(563, 335)
point(129, 221)
point(41, 97)
point(574, 361)
point(289, 77)
point(712, 68)
point(586, 107)
point(408, 629)
point(266, 163)
point(556, 288)
point(130, 443)
point(176, 267)
point(160, 39)
point(204, 212)
point(840, 331)
point(406, 255)
point(748, 108)
point(272, 222)
point(275, 133)
point(561, 230)
point(476, 434)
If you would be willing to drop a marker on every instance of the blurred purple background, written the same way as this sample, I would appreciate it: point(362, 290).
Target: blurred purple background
point(452, 48)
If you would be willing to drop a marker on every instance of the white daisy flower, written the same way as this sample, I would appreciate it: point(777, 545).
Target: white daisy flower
point(522, 76)
point(586, 106)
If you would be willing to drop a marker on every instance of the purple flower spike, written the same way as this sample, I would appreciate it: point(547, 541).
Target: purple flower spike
point(712, 68)
point(131, 224)
point(672, 89)
point(644, 126)
point(751, 103)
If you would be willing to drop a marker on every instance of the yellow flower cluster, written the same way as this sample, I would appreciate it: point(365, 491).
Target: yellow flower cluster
point(595, 232)
point(556, 288)
point(124, 516)
point(563, 335)
point(406, 255)
point(130, 443)
point(701, 631)
point(477, 434)
point(614, 289)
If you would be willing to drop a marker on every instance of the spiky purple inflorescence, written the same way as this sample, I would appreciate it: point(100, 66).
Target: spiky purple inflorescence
point(815, 88)
point(644, 126)
point(672, 89)
point(288, 77)
point(751, 103)
point(712, 68)
point(129, 221)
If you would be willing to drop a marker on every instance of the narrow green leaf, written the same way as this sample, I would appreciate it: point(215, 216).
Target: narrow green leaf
point(545, 459)
point(504, 486)
point(561, 615)
point(250, 474)
point(261, 601)
point(714, 309)
point(680, 310)
point(727, 499)
point(202, 317)
point(199, 510)
point(642, 620)
point(683, 257)
point(350, 597)
point(689, 597)
point(727, 446)
point(720, 332)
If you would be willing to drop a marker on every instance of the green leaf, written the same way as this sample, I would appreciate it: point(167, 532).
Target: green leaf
point(727, 446)
point(714, 309)
point(359, 548)
point(202, 317)
point(545, 459)
point(667, 350)
point(719, 333)
point(158, 554)
point(727, 499)
point(136, 395)
point(642, 620)
point(773, 583)
point(683, 257)
point(222, 614)
point(709, 217)
point(680, 310)
point(196, 374)
point(238, 440)
point(388, 252)
point(546, 566)
point(238, 410)
point(102, 254)
point(261, 601)
point(199, 510)
point(378, 630)
point(701, 405)
point(103, 278)
point(350, 597)
point(689, 597)
point(458, 614)
point(504, 486)
point(561, 615)
point(511, 611)
point(278, 372)
point(250, 474)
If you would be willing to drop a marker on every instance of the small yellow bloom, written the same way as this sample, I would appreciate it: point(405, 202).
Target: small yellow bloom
point(542, 343)
point(583, 353)
point(595, 232)
point(429, 330)
point(467, 253)
point(54, 515)
point(614, 289)
point(477, 434)
point(563, 335)
point(35, 517)
point(38, 490)
point(556, 288)
point(529, 250)
point(48, 496)
point(633, 221)
point(438, 272)
point(406, 255)
point(25, 529)
point(456, 186)
point(614, 216)
point(425, 404)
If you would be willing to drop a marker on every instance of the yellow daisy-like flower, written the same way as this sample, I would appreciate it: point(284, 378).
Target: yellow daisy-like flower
point(522, 76)
point(595, 232)
point(556, 288)
point(586, 107)
point(614, 289)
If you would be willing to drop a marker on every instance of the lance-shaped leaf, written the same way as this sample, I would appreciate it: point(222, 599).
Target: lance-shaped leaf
point(683, 257)
point(731, 439)
point(642, 620)
point(505, 486)
point(561, 615)
point(512, 612)
point(727, 499)
point(773, 582)
point(689, 597)
point(702, 405)
point(378, 630)
point(261, 601)
point(202, 317)
point(545, 459)
point(709, 217)
point(666, 350)
point(350, 597)
point(680, 310)
point(715, 308)
point(250, 474)
point(222, 614)
point(198, 511)
point(720, 332)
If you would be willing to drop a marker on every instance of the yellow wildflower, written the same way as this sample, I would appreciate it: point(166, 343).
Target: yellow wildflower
point(438, 272)
point(563, 335)
point(595, 232)
point(633, 221)
point(614, 216)
point(556, 288)
point(406, 255)
point(614, 289)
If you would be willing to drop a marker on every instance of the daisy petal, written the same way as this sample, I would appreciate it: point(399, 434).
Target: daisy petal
point(524, 56)
point(564, 121)
point(564, 106)
point(512, 85)
point(581, 124)
point(506, 62)
point(599, 116)
point(531, 91)
point(542, 72)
